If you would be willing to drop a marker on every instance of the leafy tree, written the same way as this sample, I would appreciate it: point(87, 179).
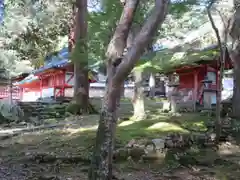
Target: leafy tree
point(38, 34)
point(119, 66)
point(9, 58)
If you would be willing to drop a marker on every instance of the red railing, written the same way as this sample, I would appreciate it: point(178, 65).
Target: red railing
point(5, 93)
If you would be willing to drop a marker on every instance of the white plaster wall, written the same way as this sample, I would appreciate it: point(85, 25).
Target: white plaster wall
point(30, 96)
point(34, 95)
point(67, 77)
point(48, 92)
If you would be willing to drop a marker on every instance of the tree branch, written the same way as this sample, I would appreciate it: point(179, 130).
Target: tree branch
point(222, 48)
point(142, 39)
point(118, 42)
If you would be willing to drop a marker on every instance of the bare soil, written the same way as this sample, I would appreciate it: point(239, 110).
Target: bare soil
point(62, 151)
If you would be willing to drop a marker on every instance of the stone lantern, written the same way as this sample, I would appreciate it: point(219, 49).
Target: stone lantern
point(173, 92)
point(208, 92)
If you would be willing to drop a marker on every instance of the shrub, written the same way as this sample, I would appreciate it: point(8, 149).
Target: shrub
point(10, 112)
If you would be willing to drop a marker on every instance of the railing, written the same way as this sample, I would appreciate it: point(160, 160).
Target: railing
point(210, 87)
point(5, 93)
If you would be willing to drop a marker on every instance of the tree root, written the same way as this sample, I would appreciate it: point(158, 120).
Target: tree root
point(78, 109)
point(91, 109)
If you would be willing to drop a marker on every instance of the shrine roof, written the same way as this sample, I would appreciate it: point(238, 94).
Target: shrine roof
point(167, 60)
point(51, 65)
point(29, 79)
point(57, 60)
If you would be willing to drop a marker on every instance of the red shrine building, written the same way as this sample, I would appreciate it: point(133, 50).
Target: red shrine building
point(198, 80)
point(54, 79)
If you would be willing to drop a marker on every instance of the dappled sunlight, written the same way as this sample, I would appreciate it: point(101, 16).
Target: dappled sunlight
point(199, 124)
point(72, 131)
point(126, 123)
point(164, 126)
point(227, 149)
point(156, 116)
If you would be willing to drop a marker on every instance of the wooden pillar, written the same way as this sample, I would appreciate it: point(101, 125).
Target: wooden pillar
point(41, 85)
point(195, 91)
point(21, 93)
point(54, 83)
point(64, 82)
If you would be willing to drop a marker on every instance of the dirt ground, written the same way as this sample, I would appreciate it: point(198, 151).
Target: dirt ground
point(62, 151)
point(28, 156)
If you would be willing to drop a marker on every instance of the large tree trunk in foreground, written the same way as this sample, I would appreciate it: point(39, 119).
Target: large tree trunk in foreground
point(236, 91)
point(234, 32)
point(235, 56)
point(80, 56)
point(101, 168)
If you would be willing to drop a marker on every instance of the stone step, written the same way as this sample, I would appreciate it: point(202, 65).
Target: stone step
point(42, 110)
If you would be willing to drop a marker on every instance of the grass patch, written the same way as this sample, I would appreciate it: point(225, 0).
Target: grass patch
point(80, 140)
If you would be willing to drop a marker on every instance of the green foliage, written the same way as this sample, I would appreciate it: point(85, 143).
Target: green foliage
point(43, 26)
point(73, 108)
point(35, 28)
point(184, 16)
point(167, 60)
point(101, 27)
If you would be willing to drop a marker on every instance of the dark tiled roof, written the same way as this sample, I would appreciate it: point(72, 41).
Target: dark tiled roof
point(60, 60)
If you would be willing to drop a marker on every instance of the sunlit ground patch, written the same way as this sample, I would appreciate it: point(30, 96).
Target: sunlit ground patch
point(125, 123)
point(164, 126)
point(72, 131)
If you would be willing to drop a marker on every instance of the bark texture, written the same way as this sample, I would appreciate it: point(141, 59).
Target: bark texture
point(80, 55)
point(221, 63)
point(138, 96)
point(234, 32)
point(235, 56)
point(101, 167)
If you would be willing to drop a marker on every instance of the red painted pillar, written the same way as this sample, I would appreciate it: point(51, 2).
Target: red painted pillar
point(21, 93)
point(41, 85)
point(64, 81)
point(196, 89)
point(54, 85)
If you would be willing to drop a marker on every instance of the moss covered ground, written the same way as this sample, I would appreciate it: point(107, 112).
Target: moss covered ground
point(63, 153)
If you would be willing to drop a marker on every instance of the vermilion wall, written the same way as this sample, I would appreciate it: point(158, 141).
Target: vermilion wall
point(186, 79)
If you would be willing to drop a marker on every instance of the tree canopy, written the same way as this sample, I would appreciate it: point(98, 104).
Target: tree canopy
point(29, 34)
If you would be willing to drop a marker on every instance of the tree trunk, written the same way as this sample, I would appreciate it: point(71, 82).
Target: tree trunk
point(138, 93)
point(221, 65)
point(80, 56)
point(81, 88)
point(235, 55)
point(236, 92)
point(101, 165)
point(138, 97)
point(236, 89)
point(101, 168)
